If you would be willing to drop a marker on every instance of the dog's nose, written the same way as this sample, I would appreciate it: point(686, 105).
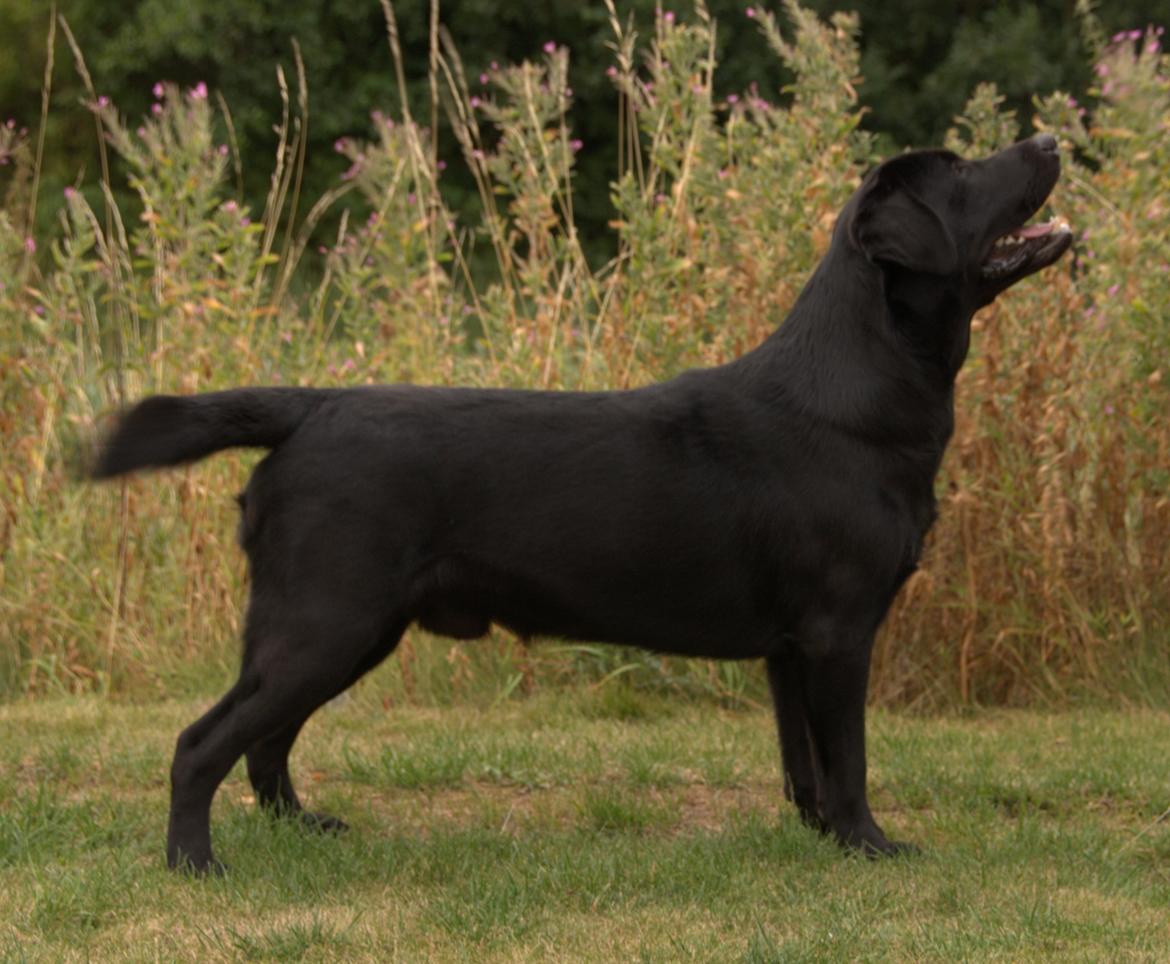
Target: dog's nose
point(1046, 142)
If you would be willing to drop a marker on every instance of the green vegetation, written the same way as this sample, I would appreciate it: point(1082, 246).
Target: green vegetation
point(920, 59)
point(551, 830)
point(1045, 578)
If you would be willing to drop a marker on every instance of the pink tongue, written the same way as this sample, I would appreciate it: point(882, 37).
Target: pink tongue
point(1035, 230)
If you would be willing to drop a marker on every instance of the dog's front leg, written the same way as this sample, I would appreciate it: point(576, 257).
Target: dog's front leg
point(835, 675)
point(802, 783)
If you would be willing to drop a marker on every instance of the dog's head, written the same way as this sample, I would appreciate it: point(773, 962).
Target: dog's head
point(949, 234)
point(932, 212)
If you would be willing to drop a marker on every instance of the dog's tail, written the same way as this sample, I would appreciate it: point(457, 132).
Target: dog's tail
point(173, 429)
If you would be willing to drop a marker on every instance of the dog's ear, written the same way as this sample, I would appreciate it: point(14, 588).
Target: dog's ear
point(893, 225)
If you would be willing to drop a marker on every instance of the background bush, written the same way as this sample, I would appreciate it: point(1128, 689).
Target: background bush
point(1045, 576)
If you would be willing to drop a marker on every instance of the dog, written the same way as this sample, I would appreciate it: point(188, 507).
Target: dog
point(767, 508)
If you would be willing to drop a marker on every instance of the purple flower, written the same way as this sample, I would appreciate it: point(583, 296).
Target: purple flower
point(103, 101)
point(339, 145)
point(199, 91)
point(30, 245)
point(576, 144)
point(223, 150)
point(244, 222)
point(441, 166)
point(611, 71)
point(475, 102)
point(159, 90)
point(733, 99)
point(550, 47)
point(142, 132)
point(483, 79)
point(1113, 289)
point(230, 206)
point(751, 13)
point(668, 16)
point(156, 108)
point(69, 192)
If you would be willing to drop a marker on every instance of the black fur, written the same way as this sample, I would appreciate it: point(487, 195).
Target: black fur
point(768, 508)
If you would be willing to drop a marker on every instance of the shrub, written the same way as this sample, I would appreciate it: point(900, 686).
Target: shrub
point(1044, 578)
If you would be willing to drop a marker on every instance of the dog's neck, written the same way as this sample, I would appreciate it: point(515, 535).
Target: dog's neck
point(849, 375)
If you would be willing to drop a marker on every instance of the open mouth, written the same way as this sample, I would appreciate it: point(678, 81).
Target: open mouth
point(1027, 249)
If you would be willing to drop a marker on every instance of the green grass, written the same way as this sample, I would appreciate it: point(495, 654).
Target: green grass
point(550, 829)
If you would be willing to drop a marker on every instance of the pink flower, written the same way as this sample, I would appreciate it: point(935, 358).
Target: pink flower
point(103, 101)
point(733, 98)
point(483, 78)
point(159, 91)
point(668, 16)
point(69, 192)
point(611, 71)
point(30, 245)
point(751, 13)
point(11, 123)
point(199, 91)
point(550, 47)
point(576, 144)
point(475, 102)
point(223, 150)
point(156, 108)
point(441, 166)
point(230, 206)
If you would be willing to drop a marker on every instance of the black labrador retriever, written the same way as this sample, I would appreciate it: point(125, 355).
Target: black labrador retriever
point(770, 507)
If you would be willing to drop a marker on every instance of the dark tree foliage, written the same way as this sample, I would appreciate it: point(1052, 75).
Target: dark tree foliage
point(920, 61)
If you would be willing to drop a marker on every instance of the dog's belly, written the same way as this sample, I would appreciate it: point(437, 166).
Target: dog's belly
point(462, 600)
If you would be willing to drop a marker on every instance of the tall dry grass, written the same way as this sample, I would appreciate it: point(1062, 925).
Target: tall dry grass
point(1045, 576)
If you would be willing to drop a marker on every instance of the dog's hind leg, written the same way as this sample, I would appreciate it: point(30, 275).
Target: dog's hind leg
point(267, 759)
point(268, 772)
point(294, 661)
point(802, 782)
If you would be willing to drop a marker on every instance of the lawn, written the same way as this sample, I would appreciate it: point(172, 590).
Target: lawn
point(597, 824)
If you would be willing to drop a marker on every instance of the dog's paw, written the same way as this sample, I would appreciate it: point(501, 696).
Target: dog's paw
point(208, 866)
point(323, 823)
